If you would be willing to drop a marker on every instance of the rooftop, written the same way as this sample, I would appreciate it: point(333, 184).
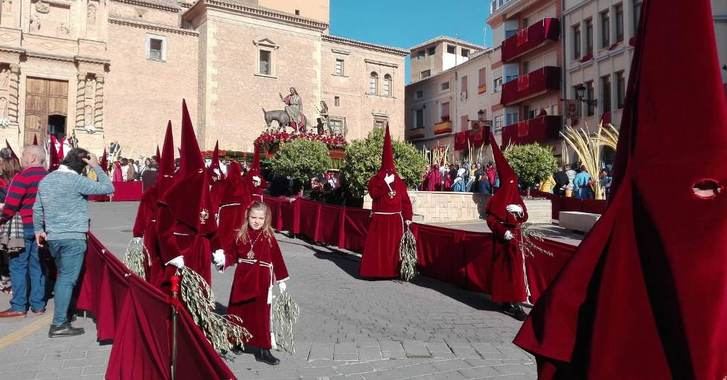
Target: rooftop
point(366, 45)
point(453, 40)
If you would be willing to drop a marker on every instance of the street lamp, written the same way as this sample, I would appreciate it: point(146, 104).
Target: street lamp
point(581, 96)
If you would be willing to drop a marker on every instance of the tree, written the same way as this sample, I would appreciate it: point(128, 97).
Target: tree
point(363, 160)
point(301, 160)
point(532, 163)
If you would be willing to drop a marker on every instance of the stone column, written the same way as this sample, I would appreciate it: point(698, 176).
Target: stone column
point(14, 94)
point(80, 96)
point(98, 104)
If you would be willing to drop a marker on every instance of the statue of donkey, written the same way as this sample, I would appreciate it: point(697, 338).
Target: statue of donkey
point(283, 120)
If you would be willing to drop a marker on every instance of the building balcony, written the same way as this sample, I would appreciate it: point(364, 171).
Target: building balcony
point(530, 38)
point(442, 127)
point(539, 129)
point(535, 83)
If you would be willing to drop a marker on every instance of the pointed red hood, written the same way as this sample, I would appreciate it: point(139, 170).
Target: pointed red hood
point(158, 154)
point(509, 192)
point(191, 160)
point(659, 249)
point(215, 164)
point(189, 197)
point(165, 175)
point(387, 154)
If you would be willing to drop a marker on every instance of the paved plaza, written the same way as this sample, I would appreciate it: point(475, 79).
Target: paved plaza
point(349, 328)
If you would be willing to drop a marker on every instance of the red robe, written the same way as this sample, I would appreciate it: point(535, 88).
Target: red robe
point(231, 213)
point(251, 291)
point(507, 282)
point(178, 239)
point(645, 294)
point(145, 228)
point(380, 257)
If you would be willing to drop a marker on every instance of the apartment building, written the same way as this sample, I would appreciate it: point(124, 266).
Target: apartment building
point(450, 110)
point(528, 74)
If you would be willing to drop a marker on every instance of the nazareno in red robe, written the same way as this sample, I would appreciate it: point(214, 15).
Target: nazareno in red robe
point(508, 281)
point(380, 256)
point(390, 209)
point(255, 275)
point(645, 294)
point(186, 223)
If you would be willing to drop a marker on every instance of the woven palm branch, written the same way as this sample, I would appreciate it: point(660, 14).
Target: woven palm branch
point(285, 315)
point(408, 255)
point(134, 256)
point(608, 135)
point(588, 149)
point(223, 332)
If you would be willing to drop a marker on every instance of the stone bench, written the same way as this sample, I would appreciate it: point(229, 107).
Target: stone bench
point(578, 221)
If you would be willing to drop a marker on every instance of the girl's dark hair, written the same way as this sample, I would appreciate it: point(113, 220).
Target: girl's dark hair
point(74, 159)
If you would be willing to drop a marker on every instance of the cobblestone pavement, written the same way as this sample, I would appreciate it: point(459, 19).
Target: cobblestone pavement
point(348, 328)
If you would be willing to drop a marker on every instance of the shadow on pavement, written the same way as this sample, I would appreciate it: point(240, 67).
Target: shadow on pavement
point(349, 264)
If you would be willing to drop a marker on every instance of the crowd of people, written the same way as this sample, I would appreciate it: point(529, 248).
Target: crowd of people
point(461, 177)
point(44, 224)
point(570, 181)
point(575, 181)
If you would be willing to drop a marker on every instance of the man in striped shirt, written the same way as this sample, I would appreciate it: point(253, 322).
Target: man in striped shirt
point(20, 199)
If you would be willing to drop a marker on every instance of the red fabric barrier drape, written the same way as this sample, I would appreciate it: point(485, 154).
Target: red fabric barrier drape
point(330, 224)
point(309, 225)
point(457, 257)
point(477, 258)
point(137, 317)
point(290, 213)
point(439, 253)
point(355, 224)
point(275, 205)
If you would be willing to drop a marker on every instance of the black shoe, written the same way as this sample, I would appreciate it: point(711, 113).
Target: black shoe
point(64, 330)
point(515, 311)
point(266, 357)
point(237, 350)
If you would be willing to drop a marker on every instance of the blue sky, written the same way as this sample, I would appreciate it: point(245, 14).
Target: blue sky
point(405, 23)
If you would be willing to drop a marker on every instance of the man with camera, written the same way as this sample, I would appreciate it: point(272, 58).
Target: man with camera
point(60, 218)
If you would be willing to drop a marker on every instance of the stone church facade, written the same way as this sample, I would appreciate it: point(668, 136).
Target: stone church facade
point(117, 70)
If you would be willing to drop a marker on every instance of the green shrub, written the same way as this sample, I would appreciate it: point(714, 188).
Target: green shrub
point(301, 160)
point(363, 160)
point(532, 163)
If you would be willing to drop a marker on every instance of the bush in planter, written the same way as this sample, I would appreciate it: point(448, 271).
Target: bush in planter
point(301, 160)
point(532, 163)
point(363, 159)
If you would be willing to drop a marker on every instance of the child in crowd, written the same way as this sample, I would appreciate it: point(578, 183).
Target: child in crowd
point(260, 265)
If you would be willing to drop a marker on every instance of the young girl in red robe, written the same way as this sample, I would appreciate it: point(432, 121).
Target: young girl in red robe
point(260, 265)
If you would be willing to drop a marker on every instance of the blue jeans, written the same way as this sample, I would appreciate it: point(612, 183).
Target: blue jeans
point(68, 255)
point(26, 271)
